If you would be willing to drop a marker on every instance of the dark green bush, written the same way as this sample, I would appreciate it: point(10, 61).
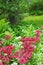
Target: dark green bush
point(36, 7)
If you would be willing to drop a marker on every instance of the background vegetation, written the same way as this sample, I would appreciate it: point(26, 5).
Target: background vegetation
point(15, 10)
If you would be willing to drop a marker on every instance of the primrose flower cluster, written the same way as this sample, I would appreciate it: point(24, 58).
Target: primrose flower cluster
point(22, 55)
point(26, 52)
point(5, 51)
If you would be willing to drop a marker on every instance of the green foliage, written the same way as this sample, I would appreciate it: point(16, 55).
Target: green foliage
point(11, 9)
point(36, 7)
point(25, 26)
point(5, 29)
point(4, 26)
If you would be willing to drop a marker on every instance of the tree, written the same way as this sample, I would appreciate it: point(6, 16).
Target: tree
point(12, 8)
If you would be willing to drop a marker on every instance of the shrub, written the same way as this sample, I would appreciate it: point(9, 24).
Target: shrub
point(36, 7)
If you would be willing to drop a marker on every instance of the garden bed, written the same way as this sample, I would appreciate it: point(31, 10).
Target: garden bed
point(21, 44)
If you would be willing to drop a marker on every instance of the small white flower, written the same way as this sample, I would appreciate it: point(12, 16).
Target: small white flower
point(18, 37)
point(20, 42)
point(34, 46)
point(14, 63)
point(22, 30)
point(13, 44)
point(3, 40)
point(0, 60)
point(5, 54)
point(34, 31)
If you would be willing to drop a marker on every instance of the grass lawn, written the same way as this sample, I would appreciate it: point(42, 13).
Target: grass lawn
point(37, 20)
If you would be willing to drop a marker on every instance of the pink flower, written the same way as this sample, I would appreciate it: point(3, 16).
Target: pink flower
point(22, 60)
point(5, 59)
point(0, 49)
point(27, 55)
point(26, 43)
point(30, 49)
point(38, 33)
point(16, 54)
point(41, 27)
point(1, 63)
point(0, 42)
point(11, 56)
point(7, 37)
point(36, 39)
point(19, 53)
point(8, 49)
point(26, 39)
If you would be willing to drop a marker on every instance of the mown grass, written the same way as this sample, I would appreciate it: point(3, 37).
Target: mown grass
point(36, 20)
